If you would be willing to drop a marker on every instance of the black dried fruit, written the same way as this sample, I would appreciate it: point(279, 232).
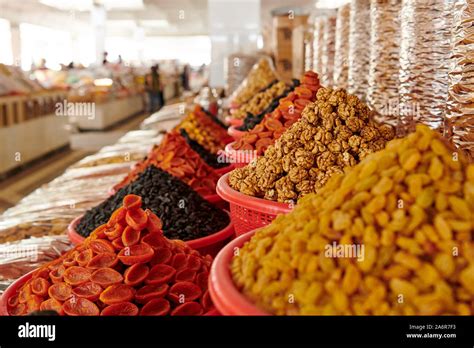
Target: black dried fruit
point(184, 213)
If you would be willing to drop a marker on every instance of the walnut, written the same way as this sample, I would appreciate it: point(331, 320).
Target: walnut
point(369, 133)
point(334, 147)
point(354, 141)
point(335, 132)
point(297, 175)
point(285, 189)
point(325, 160)
point(354, 124)
point(387, 131)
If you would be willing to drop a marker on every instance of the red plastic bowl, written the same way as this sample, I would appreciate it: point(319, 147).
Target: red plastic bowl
point(247, 212)
point(206, 245)
point(235, 133)
point(11, 290)
point(239, 158)
point(224, 170)
point(234, 121)
point(225, 296)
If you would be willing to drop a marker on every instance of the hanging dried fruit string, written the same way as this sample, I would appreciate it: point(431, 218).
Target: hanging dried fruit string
point(126, 267)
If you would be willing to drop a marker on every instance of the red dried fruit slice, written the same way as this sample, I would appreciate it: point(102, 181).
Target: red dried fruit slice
point(185, 275)
point(57, 274)
point(152, 291)
point(250, 138)
point(154, 224)
point(273, 124)
point(106, 276)
point(130, 236)
point(77, 306)
point(179, 261)
point(162, 255)
point(84, 257)
point(278, 133)
point(265, 134)
point(303, 92)
point(177, 162)
point(117, 293)
point(177, 172)
point(100, 246)
point(118, 244)
point(20, 309)
point(206, 301)
point(117, 217)
point(60, 291)
point(156, 307)
point(193, 262)
point(88, 290)
point(114, 231)
point(41, 273)
point(160, 274)
point(202, 280)
point(99, 231)
point(139, 253)
point(302, 102)
point(131, 202)
point(187, 309)
point(13, 301)
point(258, 128)
point(39, 286)
point(289, 123)
point(69, 261)
point(187, 169)
point(184, 292)
point(103, 260)
point(136, 219)
point(120, 309)
point(33, 303)
point(136, 274)
point(76, 275)
point(51, 305)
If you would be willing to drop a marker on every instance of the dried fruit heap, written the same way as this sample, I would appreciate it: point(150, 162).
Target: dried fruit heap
point(210, 159)
point(259, 77)
point(176, 157)
point(334, 132)
point(261, 100)
point(411, 208)
point(288, 112)
point(205, 131)
point(126, 267)
point(184, 213)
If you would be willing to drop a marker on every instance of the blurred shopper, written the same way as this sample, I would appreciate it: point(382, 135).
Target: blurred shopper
point(153, 88)
point(185, 77)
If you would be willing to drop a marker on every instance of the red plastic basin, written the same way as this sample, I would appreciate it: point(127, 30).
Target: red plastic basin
point(247, 212)
point(206, 245)
point(225, 295)
point(12, 289)
point(224, 170)
point(239, 158)
point(235, 133)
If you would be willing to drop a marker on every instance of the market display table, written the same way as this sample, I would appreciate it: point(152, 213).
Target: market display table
point(109, 113)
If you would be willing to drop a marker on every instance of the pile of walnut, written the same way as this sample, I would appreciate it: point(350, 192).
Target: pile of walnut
point(335, 131)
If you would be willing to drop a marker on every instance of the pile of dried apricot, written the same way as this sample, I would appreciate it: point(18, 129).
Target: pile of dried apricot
point(175, 156)
point(205, 131)
point(126, 267)
point(288, 112)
